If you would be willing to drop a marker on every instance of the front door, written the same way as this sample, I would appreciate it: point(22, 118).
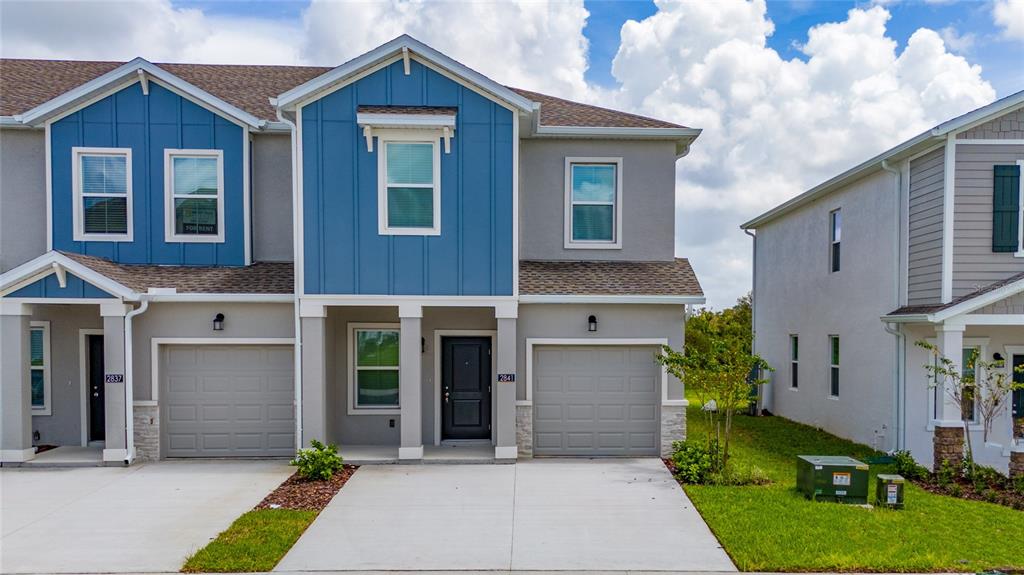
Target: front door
point(1018, 394)
point(465, 388)
point(97, 423)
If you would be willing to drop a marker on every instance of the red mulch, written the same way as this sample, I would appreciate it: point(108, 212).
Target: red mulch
point(298, 493)
point(42, 448)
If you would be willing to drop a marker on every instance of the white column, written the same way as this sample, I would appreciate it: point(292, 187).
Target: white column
point(951, 344)
point(15, 384)
point(505, 392)
point(314, 374)
point(115, 400)
point(410, 386)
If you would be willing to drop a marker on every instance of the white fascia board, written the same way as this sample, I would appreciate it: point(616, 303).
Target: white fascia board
point(12, 122)
point(406, 120)
point(980, 301)
point(612, 299)
point(127, 74)
point(982, 113)
point(618, 131)
point(914, 318)
point(326, 80)
point(221, 298)
point(42, 266)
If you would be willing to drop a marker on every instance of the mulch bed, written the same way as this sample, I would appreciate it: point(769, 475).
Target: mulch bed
point(302, 494)
point(966, 490)
point(43, 448)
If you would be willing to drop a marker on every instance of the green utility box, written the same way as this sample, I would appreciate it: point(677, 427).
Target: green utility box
point(832, 478)
point(889, 491)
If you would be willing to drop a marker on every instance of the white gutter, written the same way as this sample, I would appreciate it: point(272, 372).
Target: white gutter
point(129, 378)
point(766, 400)
point(12, 122)
point(221, 297)
point(897, 332)
point(295, 296)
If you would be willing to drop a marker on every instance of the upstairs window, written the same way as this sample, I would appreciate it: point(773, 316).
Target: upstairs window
point(410, 189)
point(39, 364)
point(593, 203)
point(833, 348)
point(794, 361)
point(836, 225)
point(102, 190)
point(194, 190)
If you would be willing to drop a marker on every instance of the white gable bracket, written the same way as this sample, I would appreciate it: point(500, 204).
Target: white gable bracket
point(143, 81)
point(62, 276)
point(368, 134)
point(405, 60)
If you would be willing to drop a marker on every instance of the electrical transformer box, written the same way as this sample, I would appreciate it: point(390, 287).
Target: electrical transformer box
point(832, 478)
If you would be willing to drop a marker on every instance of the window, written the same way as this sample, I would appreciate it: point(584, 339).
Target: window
point(410, 189)
point(39, 364)
point(102, 190)
point(833, 347)
point(593, 203)
point(794, 361)
point(194, 190)
point(375, 355)
point(968, 373)
point(836, 224)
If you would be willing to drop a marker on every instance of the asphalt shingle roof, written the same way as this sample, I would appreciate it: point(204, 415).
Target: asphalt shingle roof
point(932, 308)
point(608, 278)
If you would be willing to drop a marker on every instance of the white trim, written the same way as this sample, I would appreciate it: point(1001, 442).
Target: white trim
point(222, 297)
point(156, 342)
point(313, 303)
point(611, 299)
point(83, 379)
point(145, 403)
point(515, 204)
point(47, 407)
point(616, 242)
point(48, 161)
point(42, 266)
point(406, 121)
point(17, 455)
point(246, 197)
point(386, 137)
point(506, 452)
point(442, 333)
point(112, 455)
point(934, 390)
point(59, 300)
point(948, 207)
point(170, 236)
point(531, 342)
point(351, 329)
point(994, 319)
point(413, 453)
point(991, 142)
point(78, 195)
point(1020, 210)
point(833, 215)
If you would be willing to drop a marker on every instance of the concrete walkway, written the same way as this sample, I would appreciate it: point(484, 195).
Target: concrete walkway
point(602, 515)
point(143, 518)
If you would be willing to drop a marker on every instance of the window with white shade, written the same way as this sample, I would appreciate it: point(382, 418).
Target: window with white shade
point(410, 187)
point(194, 190)
point(102, 190)
point(593, 197)
point(39, 365)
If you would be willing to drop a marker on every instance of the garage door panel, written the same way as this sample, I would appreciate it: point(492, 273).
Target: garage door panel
point(596, 400)
point(227, 400)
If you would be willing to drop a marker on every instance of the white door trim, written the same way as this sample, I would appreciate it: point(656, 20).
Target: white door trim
point(83, 378)
point(154, 358)
point(438, 334)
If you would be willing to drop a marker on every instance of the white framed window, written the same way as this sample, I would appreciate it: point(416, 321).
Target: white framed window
point(833, 375)
point(194, 196)
point(794, 361)
point(835, 222)
point(409, 182)
point(102, 194)
point(937, 396)
point(593, 203)
point(973, 349)
point(39, 365)
point(374, 355)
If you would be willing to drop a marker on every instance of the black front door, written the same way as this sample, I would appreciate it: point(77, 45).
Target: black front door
point(97, 423)
point(465, 388)
point(1018, 394)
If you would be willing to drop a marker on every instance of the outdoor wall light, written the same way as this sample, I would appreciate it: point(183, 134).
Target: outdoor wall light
point(997, 356)
point(592, 323)
point(218, 322)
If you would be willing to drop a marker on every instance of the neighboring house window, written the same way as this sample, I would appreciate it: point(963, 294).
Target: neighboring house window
point(375, 356)
point(409, 192)
point(593, 203)
point(39, 363)
point(102, 190)
point(1007, 204)
point(794, 361)
point(833, 348)
point(836, 225)
point(194, 192)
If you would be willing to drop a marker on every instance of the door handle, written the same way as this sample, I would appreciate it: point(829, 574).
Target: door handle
point(446, 397)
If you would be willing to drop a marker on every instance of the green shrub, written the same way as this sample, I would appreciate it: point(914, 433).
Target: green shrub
point(948, 473)
point(985, 477)
point(904, 464)
point(955, 490)
point(692, 461)
point(742, 476)
point(1018, 484)
point(319, 462)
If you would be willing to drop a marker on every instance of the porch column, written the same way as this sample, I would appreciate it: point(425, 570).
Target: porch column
point(15, 384)
point(505, 391)
point(115, 448)
point(314, 374)
point(948, 438)
point(410, 377)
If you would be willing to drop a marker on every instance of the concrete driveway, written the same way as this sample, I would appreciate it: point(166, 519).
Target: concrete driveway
point(142, 518)
point(580, 515)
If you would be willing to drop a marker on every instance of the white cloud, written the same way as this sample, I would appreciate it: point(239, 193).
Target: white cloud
point(957, 42)
point(772, 127)
point(1008, 15)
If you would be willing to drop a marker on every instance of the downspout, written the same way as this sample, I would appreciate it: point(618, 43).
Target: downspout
point(295, 299)
point(129, 379)
point(766, 398)
point(898, 376)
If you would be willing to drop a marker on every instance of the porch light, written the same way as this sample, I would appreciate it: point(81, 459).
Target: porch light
point(997, 356)
point(218, 322)
point(592, 323)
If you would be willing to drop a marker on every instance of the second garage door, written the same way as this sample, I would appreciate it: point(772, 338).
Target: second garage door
point(227, 401)
point(596, 401)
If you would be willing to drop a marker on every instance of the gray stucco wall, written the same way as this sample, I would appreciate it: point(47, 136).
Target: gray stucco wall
point(22, 196)
point(648, 198)
point(796, 294)
point(1009, 126)
point(924, 274)
point(272, 198)
point(975, 265)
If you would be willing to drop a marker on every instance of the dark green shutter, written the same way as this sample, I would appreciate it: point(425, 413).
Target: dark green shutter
point(1005, 208)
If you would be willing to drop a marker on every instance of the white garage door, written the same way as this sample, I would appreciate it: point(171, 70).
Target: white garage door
point(596, 401)
point(227, 400)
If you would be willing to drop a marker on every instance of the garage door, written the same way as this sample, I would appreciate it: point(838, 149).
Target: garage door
point(227, 401)
point(596, 401)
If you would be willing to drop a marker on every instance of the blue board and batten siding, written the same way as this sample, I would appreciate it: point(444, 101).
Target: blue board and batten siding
point(344, 253)
point(49, 287)
point(149, 125)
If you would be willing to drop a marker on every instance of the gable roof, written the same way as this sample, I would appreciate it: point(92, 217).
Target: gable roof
point(966, 303)
point(664, 280)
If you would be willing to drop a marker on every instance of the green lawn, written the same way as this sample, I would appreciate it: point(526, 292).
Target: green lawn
point(256, 541)
point(773, 528)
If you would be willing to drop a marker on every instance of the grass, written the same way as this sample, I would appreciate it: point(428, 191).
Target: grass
point(773, 528)
point(255, 542)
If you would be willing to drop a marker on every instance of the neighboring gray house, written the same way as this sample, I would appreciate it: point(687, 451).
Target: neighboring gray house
point(396, 255)
point(922, 242)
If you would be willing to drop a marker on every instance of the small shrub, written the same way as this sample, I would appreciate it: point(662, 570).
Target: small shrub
point(984, 477)
point(1018, 484)
point(990, 495)
point(692, 462)
point(319, 462)
point(955, 490)
point(904, 464)
point(742, 476)
point(948, 473)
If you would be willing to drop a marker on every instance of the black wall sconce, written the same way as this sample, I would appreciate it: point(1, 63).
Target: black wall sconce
point(592, 323)
point(997, 356)
point(218, 322)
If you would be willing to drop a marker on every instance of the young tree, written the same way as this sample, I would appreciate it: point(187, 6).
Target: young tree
point(959, 386)
point(994, 388)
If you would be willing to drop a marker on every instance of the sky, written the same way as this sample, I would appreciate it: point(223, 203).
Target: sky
point(788, 93)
